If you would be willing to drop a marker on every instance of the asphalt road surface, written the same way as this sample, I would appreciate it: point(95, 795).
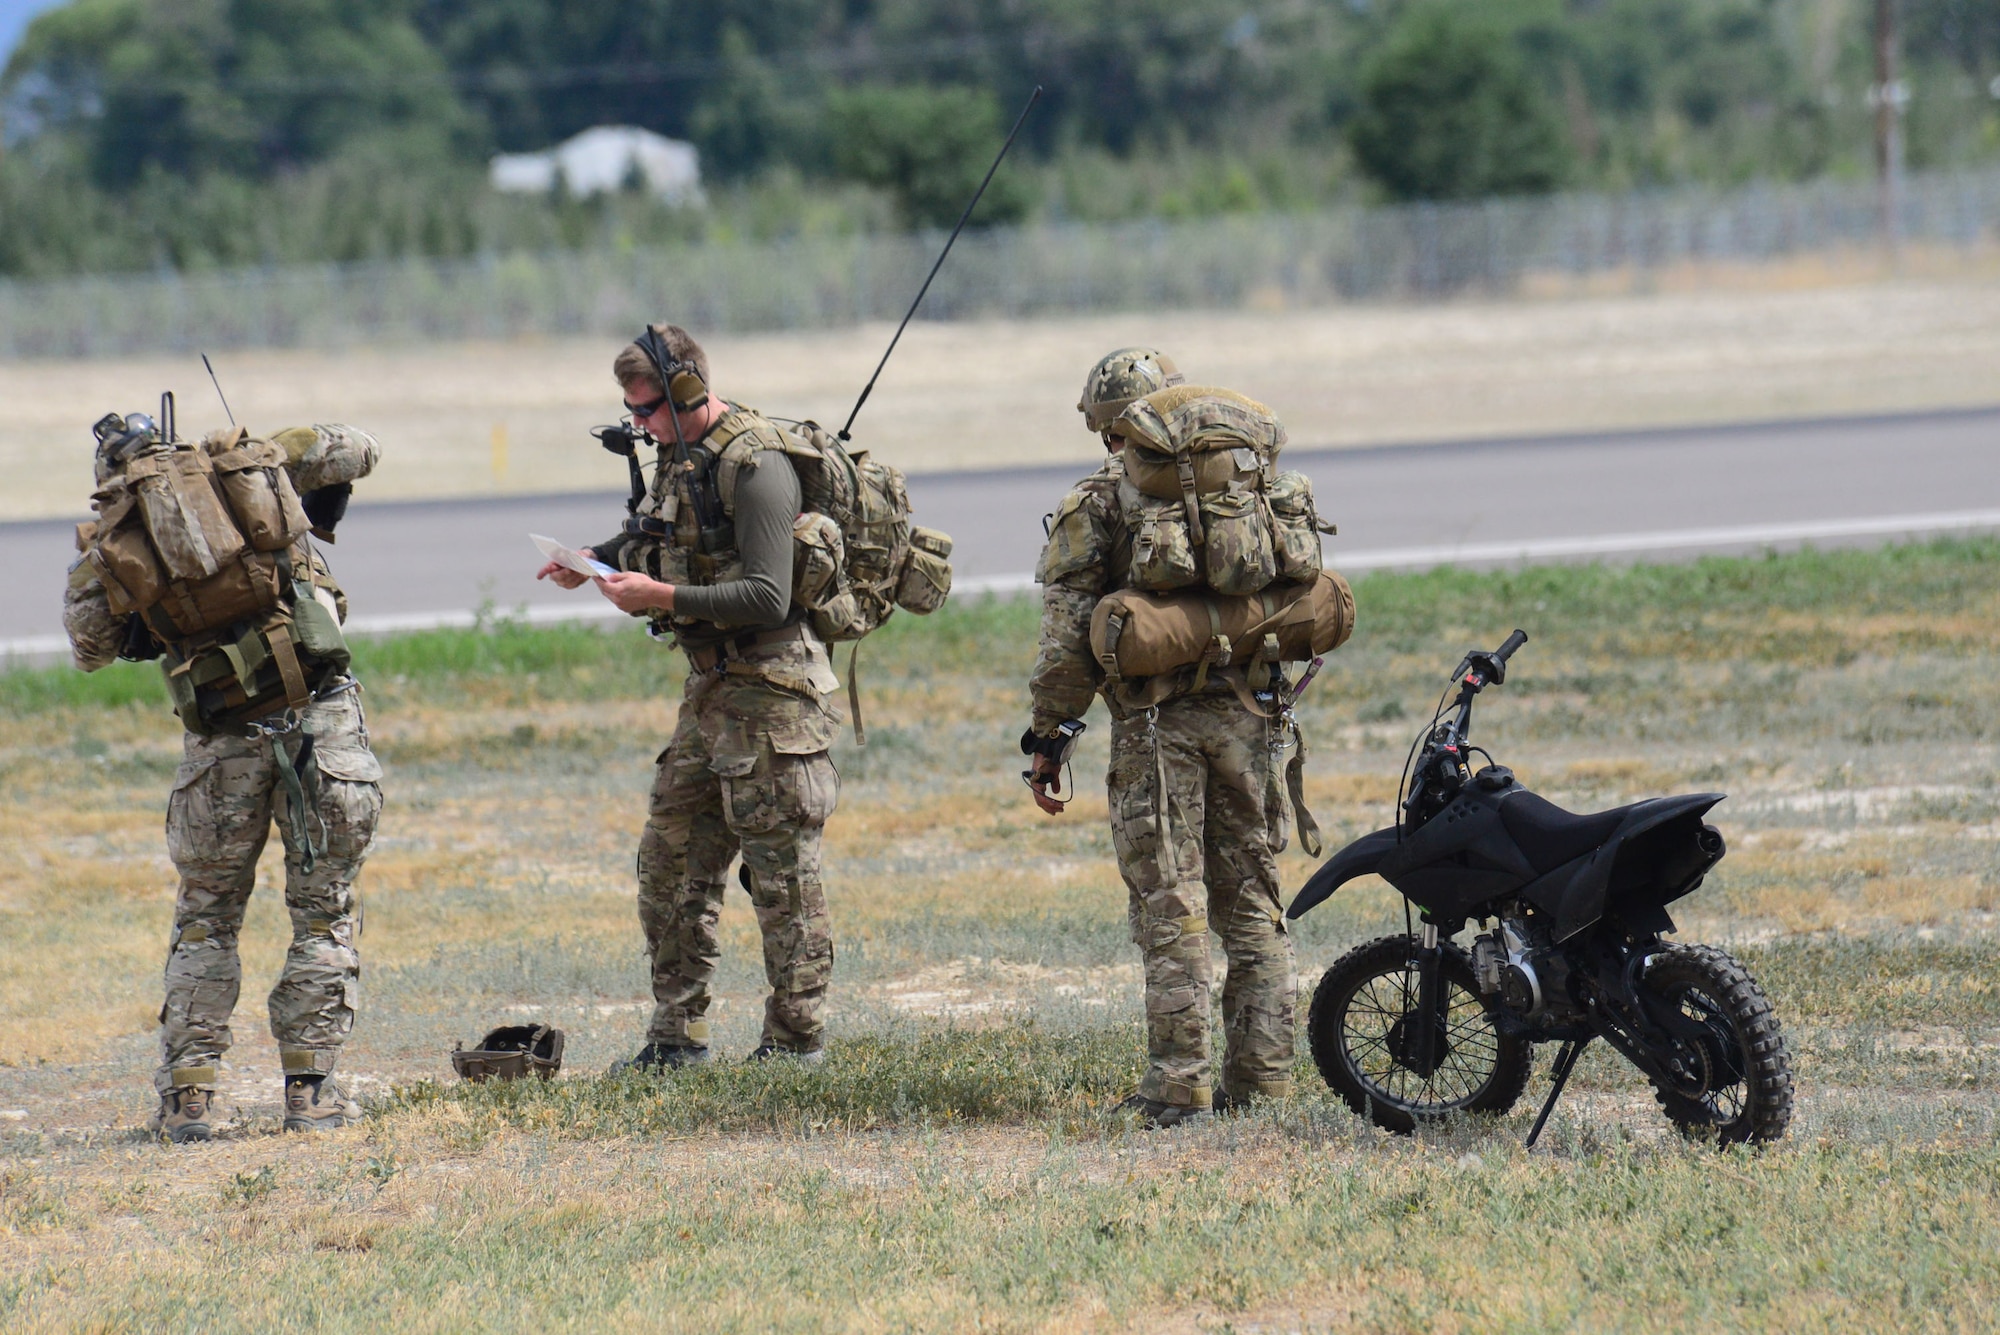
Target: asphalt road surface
point(1615, 496)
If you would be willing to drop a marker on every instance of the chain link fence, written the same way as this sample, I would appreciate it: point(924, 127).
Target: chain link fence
point(1404, 252)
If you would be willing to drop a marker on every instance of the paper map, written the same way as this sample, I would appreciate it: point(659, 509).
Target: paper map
point(571, 560)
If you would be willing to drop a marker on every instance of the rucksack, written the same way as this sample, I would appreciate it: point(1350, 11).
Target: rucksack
point(202, 542)
point(1202, 497)
point(856, 555)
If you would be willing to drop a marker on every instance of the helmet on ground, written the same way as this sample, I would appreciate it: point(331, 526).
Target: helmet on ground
point(1121, 377)
point(510, 1052)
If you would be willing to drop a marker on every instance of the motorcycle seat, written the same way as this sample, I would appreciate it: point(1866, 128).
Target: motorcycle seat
point(1549, 836)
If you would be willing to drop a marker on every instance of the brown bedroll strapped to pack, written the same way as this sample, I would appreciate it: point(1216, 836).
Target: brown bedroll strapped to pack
point(510, 1053)
point(1135, 634)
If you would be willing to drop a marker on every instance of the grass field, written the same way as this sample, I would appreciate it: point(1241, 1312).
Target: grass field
point(1780, 341)
point(952, 1165)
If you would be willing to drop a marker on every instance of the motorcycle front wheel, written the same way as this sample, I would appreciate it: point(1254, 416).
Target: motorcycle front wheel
point(1732, 1083)
point(1362, 1030)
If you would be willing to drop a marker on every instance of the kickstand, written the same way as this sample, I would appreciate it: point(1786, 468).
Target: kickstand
point(1565, 1063)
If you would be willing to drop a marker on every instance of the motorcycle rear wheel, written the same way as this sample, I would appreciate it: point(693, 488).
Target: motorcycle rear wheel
point(1735, 1086)
point(1359, 1031)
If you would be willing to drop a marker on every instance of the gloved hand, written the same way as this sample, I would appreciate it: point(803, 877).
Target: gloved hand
point(325, 506)
point(1046, 758)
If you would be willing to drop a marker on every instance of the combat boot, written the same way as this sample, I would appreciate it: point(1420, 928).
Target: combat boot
point(771, 1051)
point(1155, 1115)
point(182, 1116)
point(316, 1103)
point(656, 1058)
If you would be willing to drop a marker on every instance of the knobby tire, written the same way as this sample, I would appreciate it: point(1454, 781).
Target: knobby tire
point(1354, 1010)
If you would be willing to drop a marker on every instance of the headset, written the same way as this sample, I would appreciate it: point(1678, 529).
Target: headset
point(685, 388)
point(686, 391)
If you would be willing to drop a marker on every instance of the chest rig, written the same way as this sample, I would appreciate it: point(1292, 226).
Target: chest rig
point(684, 530)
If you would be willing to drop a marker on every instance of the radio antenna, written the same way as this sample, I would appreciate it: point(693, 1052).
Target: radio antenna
point(218, 390)
point(1020, 120)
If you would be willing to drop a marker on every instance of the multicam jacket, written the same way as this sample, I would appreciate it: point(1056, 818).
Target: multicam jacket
point(1088, 555)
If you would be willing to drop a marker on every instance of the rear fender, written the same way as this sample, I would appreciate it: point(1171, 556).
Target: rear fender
point(1359, 858)
point(1578, 895)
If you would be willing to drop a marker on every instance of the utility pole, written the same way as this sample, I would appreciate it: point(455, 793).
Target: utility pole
point(1889, 95)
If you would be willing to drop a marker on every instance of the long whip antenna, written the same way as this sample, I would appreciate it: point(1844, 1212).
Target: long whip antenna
point(1019, 121)
point(218, 390)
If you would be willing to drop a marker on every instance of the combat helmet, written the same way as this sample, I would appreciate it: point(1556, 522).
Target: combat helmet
point(1119, 378)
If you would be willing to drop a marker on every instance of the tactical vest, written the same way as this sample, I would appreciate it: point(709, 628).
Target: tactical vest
point(204, 544)
point(856, 557)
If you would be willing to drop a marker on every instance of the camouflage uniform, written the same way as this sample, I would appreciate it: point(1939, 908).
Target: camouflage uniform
point(747, 771)
point(1203, 861)
point(225, 796)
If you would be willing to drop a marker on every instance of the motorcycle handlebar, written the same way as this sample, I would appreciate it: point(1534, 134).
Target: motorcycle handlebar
point(1514, 641)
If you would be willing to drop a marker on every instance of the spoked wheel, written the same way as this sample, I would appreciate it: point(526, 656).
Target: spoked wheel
point(1731, 1081)
point(1363, 1032)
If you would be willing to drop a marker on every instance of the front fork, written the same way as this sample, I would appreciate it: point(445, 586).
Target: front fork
point(1424, 1049)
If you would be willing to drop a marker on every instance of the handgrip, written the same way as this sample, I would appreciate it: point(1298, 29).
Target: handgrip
point(1514, 641)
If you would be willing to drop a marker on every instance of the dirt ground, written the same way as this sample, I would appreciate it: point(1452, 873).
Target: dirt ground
point(510, 417)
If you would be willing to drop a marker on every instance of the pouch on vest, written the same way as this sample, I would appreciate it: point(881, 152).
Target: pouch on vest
point(926, 581)
point(258, 490)
point(1236, 553)
point(819, 577)
point(1295, 527)
point(1163, 552)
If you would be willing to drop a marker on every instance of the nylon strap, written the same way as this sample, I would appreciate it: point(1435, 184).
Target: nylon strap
point(199, 1077)
point(1185, 465)
point(297, 694)
point(296, 814)
point(1295, 785)
point(305, 1061)
point(854, 694)
point(1114, 629)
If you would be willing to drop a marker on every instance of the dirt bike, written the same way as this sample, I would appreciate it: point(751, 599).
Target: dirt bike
point(1573, 912)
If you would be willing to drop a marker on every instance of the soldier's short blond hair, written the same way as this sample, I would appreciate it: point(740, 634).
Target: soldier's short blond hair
point(633, 365)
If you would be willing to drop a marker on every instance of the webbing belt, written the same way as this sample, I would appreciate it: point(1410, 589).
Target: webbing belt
point(709, 658)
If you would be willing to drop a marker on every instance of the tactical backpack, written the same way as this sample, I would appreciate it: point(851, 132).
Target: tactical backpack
point(201, 542)
point(856, 555)
point(1203, 499)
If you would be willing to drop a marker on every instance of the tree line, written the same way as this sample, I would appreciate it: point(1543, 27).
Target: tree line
point(184, 133)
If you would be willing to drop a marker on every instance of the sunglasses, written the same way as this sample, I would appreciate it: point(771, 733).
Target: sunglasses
point(644, 410)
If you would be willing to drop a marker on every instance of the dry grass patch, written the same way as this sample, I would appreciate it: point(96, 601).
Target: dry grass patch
point(951, 1166)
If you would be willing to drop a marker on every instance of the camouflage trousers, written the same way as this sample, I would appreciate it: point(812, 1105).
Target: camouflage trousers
point(747, 771)
point(225, 797)
point(1202, 865)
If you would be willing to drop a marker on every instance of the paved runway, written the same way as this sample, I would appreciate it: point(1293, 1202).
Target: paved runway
point(1651, 493)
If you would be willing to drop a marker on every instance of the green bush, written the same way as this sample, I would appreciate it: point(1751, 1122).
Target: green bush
point(928, 146)
point(1450, 111)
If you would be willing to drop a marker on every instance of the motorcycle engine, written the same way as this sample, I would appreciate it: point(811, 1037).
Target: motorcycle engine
point(1515, 963)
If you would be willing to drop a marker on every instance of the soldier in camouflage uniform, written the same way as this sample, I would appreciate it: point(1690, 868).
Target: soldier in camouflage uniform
point(747, 770)
point(1195, 818)
point(228, 791)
